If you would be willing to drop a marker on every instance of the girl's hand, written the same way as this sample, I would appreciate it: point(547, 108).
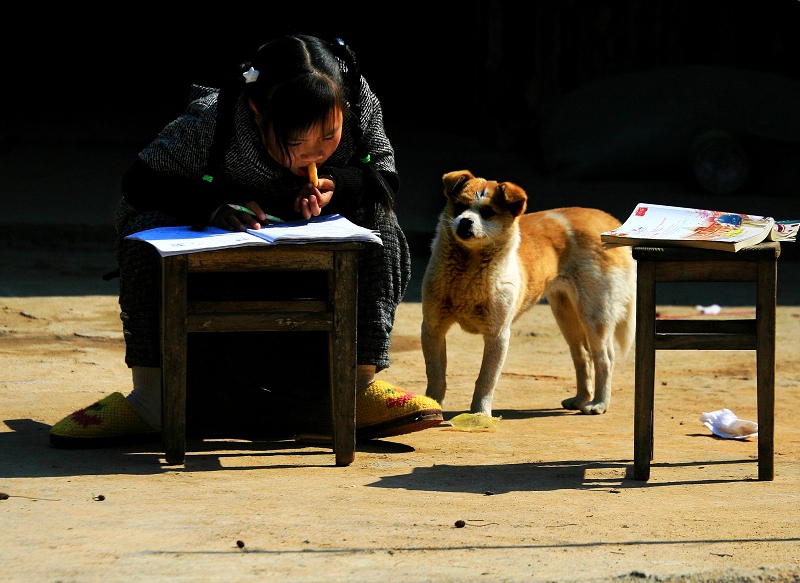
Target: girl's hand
point(232, 219)
point(310, 201)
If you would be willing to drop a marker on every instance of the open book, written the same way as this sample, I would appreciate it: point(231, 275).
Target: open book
point(321, 229)
point(655, 224)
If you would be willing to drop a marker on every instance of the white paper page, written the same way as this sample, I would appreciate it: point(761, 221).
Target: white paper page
point(322, 229)
point(179, 240)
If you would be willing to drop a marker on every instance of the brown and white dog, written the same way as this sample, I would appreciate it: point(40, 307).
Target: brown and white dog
point(490, 262)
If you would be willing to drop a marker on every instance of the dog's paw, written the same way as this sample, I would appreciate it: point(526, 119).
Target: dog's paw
point(482, 412)
point(594, 408)
point(437, 396)
point(573, 404)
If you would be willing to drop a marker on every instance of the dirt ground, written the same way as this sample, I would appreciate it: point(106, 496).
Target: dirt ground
point(548, 496)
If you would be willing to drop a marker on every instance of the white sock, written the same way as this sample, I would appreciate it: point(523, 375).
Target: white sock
point(146, 394)
point(365, 374)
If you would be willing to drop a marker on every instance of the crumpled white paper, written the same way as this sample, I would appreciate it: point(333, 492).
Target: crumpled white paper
point(724, 423)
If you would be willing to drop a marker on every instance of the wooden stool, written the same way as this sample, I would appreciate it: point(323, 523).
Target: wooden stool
point(757, 264)
point(336, 316)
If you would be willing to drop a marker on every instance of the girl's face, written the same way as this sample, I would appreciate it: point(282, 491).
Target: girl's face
point(315, 145)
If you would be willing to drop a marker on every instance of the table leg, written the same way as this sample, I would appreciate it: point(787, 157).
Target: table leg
point(173, 357)
point(645, 370)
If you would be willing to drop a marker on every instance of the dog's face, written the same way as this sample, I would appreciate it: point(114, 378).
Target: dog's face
point(480, 211)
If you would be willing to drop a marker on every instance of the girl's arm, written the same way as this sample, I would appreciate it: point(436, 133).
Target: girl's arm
point(352, 184)
point(190, 201)
point(195, 201)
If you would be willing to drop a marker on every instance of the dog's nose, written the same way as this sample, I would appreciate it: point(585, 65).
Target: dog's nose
point(464, 228)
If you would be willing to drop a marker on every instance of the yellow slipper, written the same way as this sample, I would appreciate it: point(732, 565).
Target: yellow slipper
point(110, 421)
point(383, 410)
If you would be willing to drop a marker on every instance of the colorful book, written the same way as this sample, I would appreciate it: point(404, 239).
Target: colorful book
point(656, 224)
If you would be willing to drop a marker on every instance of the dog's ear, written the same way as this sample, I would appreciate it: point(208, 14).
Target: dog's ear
point(515, 198)
point(455, 181)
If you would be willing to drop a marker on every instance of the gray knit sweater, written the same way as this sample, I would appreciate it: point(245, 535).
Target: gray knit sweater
point(180, 153)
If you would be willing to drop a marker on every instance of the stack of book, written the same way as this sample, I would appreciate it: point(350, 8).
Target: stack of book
point(656, 224)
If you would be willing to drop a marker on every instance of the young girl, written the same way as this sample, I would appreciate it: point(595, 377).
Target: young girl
point(300, 101)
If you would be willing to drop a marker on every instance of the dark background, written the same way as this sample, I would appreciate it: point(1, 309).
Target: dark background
point(481, 67)
point(582, 102)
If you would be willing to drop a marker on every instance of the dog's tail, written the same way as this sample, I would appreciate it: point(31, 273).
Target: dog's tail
point(625, 331)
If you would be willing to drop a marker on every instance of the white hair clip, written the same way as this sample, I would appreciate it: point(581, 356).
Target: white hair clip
point(250, 75)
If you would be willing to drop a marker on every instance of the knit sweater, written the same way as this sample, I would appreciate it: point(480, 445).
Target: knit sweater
point(165, 187)
point(180, 154)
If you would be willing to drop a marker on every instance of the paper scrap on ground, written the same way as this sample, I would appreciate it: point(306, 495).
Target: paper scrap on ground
point(474, 422)
point(724, 423)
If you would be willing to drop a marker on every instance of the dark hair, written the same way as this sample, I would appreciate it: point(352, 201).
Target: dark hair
point(299, 82)
point(300, 79)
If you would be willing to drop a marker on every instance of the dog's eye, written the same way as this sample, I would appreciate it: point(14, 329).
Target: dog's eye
point(459, 208)
point(487, 212)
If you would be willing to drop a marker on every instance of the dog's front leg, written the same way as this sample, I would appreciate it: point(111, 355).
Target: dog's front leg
point(434, 349)
point(495, 349)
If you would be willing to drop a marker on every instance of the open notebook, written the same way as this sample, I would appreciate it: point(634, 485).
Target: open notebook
point(322, 229)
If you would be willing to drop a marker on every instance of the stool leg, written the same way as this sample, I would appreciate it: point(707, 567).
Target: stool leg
point(342, 356)
point(765, 366)
point(173, 357)
point(645, 370)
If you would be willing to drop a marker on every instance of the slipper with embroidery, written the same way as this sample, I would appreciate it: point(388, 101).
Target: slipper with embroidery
point(383, 410)
point(110, 421)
